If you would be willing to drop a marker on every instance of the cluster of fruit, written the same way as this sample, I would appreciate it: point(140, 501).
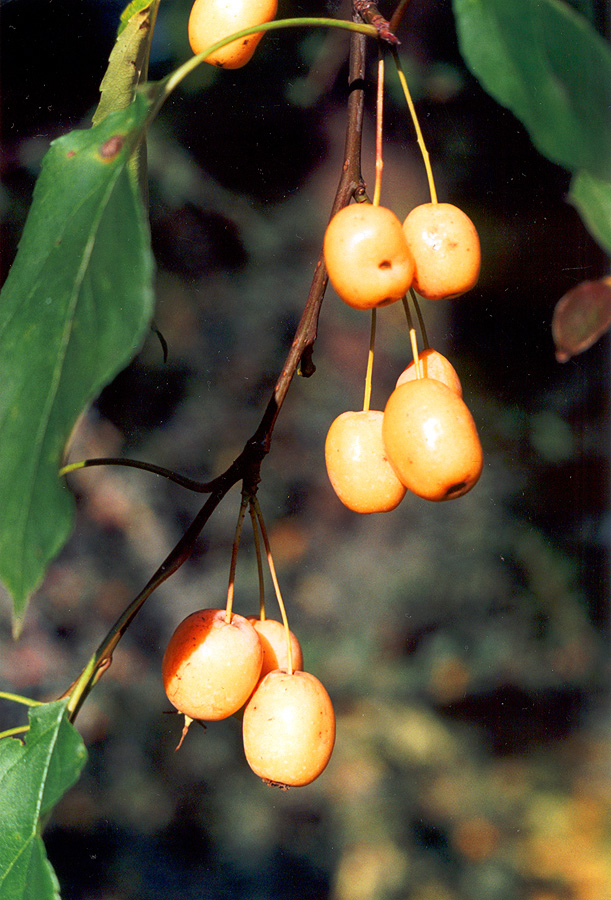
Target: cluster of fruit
point(425, 440)
point(219, 663)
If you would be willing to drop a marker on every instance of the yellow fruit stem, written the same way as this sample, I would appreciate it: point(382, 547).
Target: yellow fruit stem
point(234, 558)
point(379, 129)
point(412, 111)
point(255, 531)
point(413, 339)
point(372, 340)
point(272, 570)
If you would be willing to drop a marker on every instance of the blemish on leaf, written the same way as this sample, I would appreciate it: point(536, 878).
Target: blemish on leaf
point(111, 147)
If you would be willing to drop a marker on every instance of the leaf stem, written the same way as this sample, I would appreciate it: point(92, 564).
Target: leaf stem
point(199, 487)
point(17, 698)
point(165, 87)
point(10, 732)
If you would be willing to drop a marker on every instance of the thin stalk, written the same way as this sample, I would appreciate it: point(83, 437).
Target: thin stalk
point(255, 531)
point(165, 87)
point(368, 376)
point(10, 732)
point(423, 334)
point(413, 339)
point(413, 114)
point(272, 571)
point(198, 487)
point(17, 698)
point(101, 659)
point(379, 129)
point(397, 16)
point(234, 557)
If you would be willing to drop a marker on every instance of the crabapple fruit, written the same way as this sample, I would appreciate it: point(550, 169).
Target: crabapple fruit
point(431, 440)
point(446, 250)
point(272, 635)
point(288, 728)
point(357, 463)
point(434, 365)
point(211, 666)
point(367, 257)
point(212, 20)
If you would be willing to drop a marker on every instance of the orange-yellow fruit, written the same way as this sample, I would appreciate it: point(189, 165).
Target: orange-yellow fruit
point(434, 365)
point(273, 642)
point(211, 666)
point(212, 20)
point(358, 466)
point(446, 250)
point(431, 440)
point(289, 728)
point(367, 257)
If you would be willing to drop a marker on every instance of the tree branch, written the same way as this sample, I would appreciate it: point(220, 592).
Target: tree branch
point(246, 467)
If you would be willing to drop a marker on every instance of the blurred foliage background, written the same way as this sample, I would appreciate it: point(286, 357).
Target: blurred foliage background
point(465, 645)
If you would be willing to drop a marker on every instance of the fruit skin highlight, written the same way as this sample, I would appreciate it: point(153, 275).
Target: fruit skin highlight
point(431, 440)
point(367, 257)
point(288, 728)
point(212, 20)
point(357, 463)
point(433, 365)
point(272, 635)
point(211, 666)
point(446, 249)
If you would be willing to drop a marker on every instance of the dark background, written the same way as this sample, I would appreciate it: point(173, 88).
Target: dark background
point(464, 644)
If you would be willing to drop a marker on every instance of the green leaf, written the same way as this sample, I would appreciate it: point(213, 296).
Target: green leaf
point(592, 199)
point(73, 311)
point(33, 777)
point(128, 62)
point(544, 62)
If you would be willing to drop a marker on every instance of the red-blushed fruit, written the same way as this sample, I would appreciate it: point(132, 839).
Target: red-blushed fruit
point(211, 666)
point(272, 635)
point(288, 728)
point(212, 20)
point(431, 440)
point(357, 463)
point(446, 250)
point(367, 257)
point(434, 365)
